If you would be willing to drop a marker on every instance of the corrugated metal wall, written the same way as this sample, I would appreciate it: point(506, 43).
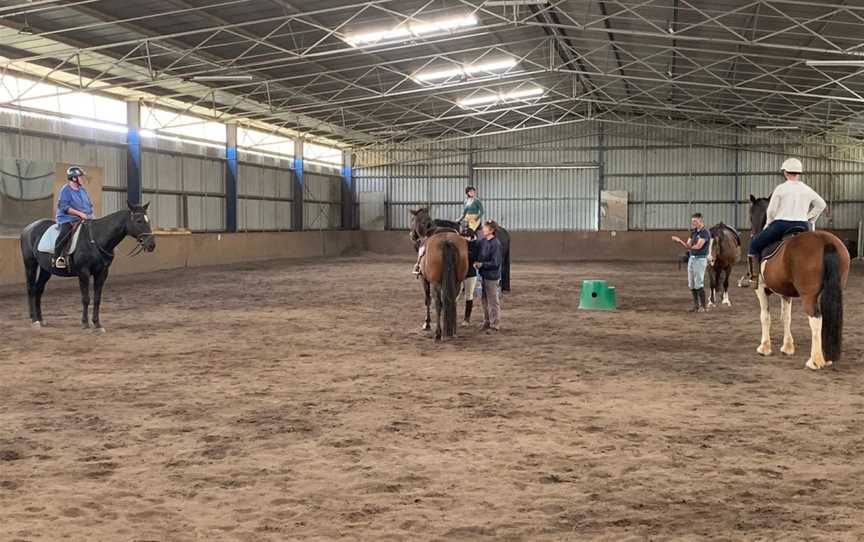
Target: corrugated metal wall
point(265, 196)
point(322, 201)
point(668, 174)
point(21, 136)
point(184, 182)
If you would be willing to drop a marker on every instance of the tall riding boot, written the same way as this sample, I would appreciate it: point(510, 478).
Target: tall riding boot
point(702, 298)
point(469, 305)
point(695, 294)
point(753, 261)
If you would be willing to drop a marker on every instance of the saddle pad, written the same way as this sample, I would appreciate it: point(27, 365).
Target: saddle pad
point(49, 240)
point(772, 249)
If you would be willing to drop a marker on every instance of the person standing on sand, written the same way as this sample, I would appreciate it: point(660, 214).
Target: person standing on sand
point(489, 265)
point(698, 245)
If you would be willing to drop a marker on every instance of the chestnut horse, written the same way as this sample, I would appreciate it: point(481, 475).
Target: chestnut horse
point(443, 268)
point(813, 266)
point(723, 253)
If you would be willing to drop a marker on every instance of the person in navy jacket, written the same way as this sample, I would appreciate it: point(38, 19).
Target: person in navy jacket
point(488, 264)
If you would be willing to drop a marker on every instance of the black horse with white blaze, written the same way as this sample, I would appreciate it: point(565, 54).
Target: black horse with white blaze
point(91, 259)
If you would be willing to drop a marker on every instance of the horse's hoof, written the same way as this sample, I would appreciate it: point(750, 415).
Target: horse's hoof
point(36, 325)
point(828, 363)
point(727, 303)
point(811, 365)
point(426, 327)
point(788, 351)
point(99, 330)
point(763, 350)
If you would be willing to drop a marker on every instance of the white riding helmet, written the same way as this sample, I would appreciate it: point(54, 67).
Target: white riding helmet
point(792, 165)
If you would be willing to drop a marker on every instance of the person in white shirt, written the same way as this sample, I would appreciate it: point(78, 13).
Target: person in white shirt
point(793, 205)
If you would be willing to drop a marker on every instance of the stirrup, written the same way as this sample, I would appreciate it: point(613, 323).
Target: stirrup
point(754, 282)
point(60, 262)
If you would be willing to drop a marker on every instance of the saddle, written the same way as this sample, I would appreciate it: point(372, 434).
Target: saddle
point(774, 247)
point(49, 239)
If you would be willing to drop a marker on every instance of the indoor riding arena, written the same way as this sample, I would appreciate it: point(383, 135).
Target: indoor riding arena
point(245, 354)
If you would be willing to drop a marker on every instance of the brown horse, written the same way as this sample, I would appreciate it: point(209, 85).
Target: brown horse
point(813, 266)
point(443, 269)
point(723, 254)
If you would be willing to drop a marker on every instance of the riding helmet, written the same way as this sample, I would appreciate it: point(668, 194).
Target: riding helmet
point(792, 165)
point(75, 171)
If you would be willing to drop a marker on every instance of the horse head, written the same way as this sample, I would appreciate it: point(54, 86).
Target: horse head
point(758, 213)
point(138, 226)
point(421, 224)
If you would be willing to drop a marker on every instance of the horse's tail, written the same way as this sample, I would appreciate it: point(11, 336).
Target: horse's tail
point(449, 287)
point(831, 304)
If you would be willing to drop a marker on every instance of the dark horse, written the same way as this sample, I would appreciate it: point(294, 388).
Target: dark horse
point(813, 266)
point(91, 259)
point(443, 268)
point(723, 253)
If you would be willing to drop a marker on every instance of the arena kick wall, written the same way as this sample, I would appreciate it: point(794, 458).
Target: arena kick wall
point(198, 250)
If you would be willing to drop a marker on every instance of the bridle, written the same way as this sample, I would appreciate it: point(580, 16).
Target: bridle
point(141, 238)
point(139, 248)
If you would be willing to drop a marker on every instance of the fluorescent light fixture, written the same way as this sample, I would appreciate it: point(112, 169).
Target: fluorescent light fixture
point(467, 70)
point(147, 133)
point(409, 30)
point(837, 63)
point(86, 123)
point(491, 3)
point(222, 78)
point(776, 127)
point(533, 167)
point(502, 97)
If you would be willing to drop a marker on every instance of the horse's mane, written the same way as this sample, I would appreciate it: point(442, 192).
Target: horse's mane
point(716, 230)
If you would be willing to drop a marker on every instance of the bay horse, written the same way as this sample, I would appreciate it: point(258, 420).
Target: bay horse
point(723, 253)
point(443, 268)
point(91, 259)
point(813, 266)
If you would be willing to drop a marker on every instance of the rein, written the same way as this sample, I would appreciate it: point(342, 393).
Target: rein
point(102, 252)
point(139, 248)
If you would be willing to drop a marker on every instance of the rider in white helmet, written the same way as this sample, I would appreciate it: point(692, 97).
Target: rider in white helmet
point(793, 205)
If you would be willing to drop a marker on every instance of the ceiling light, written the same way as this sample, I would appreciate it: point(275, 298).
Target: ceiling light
point(854, 63)
point(222, 78)
point(406, 31)
point(147, 133)
point(502, 97)
point(776, 127)
point(533, 166)
point(466, 71)
point(490, 3)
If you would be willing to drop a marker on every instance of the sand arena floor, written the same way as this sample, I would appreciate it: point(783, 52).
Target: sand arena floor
point(300, 401)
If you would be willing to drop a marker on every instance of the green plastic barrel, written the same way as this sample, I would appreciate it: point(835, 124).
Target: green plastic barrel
point(597, 295)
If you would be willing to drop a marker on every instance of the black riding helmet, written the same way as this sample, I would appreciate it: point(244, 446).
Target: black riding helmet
point(75, 172)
